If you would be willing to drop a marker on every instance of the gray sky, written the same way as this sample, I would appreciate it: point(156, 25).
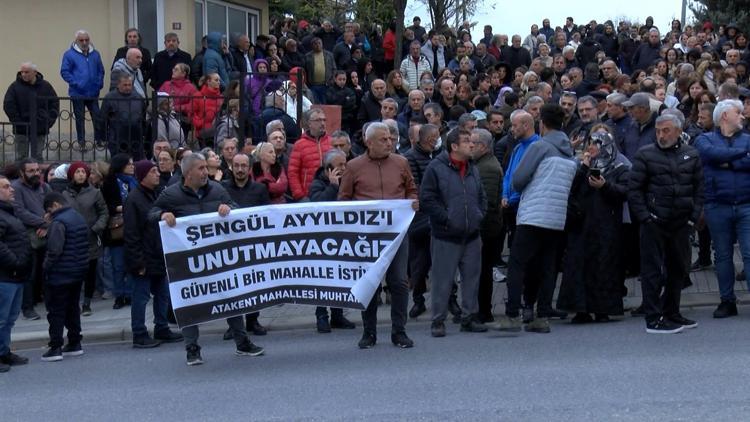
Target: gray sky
point(519, 19)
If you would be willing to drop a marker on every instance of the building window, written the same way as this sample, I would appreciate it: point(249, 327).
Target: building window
point(228, 18)
point(148, 17)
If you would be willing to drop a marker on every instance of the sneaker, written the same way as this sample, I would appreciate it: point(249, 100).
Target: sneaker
point(341, 322)
point(167, 336)
point(13, 359)
point(30, 314)
point(472, 325)
point(323, 325)
point(86, 310)
point(119, 303)
point(638, 312)
point(725, 309)
point(681, 320)
point(510, 324)
point(53, 354)
point(528, 315)
point(538, 325)
point(72, 350)
point(228, 334)
point(401, 340)
point(247, 348)
point(663, 326)
point(497, 275)
point(582, 318)
point(145, 342)
point(107, 295)
point(417, 309)
point(4, 367)
point(194, 355)
point(699, 266)
point(437, 329)
point(367, 341)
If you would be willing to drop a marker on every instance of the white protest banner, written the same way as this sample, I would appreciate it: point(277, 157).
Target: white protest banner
point(324, 254)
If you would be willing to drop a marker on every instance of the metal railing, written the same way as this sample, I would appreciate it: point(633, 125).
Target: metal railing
point(94, 128)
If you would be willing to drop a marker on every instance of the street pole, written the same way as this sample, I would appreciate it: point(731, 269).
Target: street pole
point(682, 16)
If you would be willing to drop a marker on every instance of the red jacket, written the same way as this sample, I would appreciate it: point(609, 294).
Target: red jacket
point(276, 187)
point(389, 45)
point(307, 157)
point(183, 90)
point(206, 105)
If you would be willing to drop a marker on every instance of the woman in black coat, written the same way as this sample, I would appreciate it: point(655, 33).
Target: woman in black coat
point(593, 270)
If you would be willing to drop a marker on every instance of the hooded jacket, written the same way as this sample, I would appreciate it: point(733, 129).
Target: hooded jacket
point(120, 67)
point(84, 73)
point(544, 178)
point(255, 85)
point(17, 105)
point(213, 58)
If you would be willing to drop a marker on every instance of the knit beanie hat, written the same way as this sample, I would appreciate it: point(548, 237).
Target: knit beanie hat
point(142, 168)
point(75, 166)
point(61, 172)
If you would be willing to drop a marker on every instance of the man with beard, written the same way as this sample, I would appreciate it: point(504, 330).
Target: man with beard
point(28, 206)
point(167, 59)
point(588, 114)
point(196, 195)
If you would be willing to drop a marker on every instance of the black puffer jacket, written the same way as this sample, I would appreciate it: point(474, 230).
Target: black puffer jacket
point(142, 241)
point(182, 201)
point(344, 97)
point(15, 256)
point(17, 105)
point(666, 185)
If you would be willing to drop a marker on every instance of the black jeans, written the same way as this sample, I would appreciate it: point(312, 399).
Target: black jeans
point(63, 312)
point(32, 289)
point(395, 279)
point(420, 262)
point(665, 263)
point(509, 223)
point(704, 246)
point(89, 282)
point(491, 249)
point(532, 267)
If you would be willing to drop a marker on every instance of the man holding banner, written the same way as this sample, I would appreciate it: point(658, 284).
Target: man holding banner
point(380, 174)
point(197, 195)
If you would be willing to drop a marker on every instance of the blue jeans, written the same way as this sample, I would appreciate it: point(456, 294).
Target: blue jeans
point(104, 273)
point(11, 295)
point(120, 280)
point(728, 224)
point(143, 288)
point(79, 106)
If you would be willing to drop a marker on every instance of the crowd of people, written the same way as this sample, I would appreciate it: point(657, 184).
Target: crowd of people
point(597, 151)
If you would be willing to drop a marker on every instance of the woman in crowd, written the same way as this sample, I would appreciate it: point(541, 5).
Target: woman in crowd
point(289, 89)
point(593, 274)
point(206, 105)
point(267, 170)
point(166, 163)
point(341, 95)
point(118, 183)
point(213, 163)
point(255, 86)
point(180, 90)
point(89, 202)
point(397, 88)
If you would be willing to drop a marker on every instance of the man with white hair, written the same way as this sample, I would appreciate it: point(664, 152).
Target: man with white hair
point(379, 174)
point(131, 66)
point(665, 194)
point(29, 85)
point(726, 166)
point(83, 70)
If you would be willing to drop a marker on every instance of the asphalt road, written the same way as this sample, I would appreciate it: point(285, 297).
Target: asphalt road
point(597, 372)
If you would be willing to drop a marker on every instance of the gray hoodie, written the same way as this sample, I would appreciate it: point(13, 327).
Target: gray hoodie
point(544, 177)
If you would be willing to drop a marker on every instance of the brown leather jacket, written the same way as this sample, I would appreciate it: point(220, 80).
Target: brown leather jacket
point(368, 179)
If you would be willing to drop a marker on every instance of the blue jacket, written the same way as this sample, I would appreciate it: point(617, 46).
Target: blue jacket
point(213, 58)
point(67, 256)
point(726, 166)
point(456, 205)
point(83, 73)
point(511, 195)
point(637, 137)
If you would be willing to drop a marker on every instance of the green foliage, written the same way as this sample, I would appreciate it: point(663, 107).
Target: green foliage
point(721, 12)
